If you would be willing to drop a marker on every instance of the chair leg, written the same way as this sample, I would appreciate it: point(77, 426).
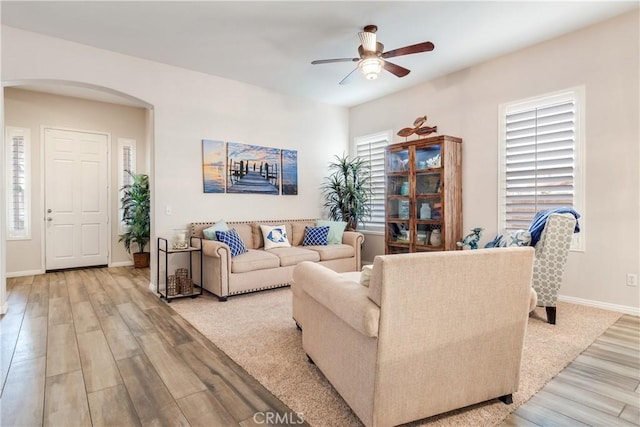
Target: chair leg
point(551, 315)
point(507, 399)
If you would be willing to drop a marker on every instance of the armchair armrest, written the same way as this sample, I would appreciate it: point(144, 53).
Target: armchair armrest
point(343, 297)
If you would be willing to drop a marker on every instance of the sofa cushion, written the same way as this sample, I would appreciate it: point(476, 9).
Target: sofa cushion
point(254, 259)
point(315, 236)
point(329, 252)
point(275, 236)
point(336, 229)
point(354, 276)
point(297, 232)
point(210, 233)
point(294, 255)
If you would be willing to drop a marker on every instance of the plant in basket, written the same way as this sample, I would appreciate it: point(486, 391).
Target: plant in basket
point(136, 203)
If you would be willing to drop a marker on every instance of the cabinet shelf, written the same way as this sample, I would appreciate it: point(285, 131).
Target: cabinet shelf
point(412, 186)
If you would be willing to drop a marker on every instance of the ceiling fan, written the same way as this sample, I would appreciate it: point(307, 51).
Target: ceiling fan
point(372, 58)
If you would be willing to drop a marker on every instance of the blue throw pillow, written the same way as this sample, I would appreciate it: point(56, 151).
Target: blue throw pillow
point(315, 236)
point(336, 229)
point(233, 240)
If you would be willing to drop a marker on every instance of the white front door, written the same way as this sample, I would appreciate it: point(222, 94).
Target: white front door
point(76, 199)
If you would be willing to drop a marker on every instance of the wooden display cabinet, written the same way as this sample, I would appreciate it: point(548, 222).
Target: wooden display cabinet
point(423, 195)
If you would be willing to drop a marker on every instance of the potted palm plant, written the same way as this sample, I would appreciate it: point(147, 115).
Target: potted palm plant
point(136, 202)
point(346, 191)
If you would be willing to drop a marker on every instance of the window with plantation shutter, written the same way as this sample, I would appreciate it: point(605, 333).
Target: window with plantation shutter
point(540, 163)
point(126, 164)
point(371, 149)
point(18, 141)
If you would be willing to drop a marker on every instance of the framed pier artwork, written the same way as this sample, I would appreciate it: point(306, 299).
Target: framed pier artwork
point(289, 172)
point(213, 161)
point(234, 167)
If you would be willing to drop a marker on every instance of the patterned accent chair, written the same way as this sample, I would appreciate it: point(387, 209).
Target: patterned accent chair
point(551, 256)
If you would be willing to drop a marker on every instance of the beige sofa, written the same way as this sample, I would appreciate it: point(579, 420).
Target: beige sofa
point(433, 332)
point(260, 269)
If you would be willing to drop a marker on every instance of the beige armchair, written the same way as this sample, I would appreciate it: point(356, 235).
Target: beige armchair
point(551, 256)
point(433, 332)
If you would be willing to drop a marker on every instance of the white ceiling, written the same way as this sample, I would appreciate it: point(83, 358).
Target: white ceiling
point(271, 44)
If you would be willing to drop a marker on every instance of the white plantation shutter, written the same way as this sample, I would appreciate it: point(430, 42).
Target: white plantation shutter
point(126, 162)
point(371, 149)
point(540, 162)
point(18, 183)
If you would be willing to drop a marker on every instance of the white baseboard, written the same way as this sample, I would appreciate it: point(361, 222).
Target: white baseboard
point(121, 264)
point(633, 311)
point(24, 273)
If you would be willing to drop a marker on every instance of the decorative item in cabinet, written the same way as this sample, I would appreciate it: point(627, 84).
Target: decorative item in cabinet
point(433, 172)
point(398, 162)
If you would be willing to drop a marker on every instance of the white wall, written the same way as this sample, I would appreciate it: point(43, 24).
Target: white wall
point(604, 58)
point(33, 110)
point(3, 259)
point(188, 107)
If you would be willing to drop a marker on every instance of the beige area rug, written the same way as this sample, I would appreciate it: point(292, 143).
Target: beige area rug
point(257, 331)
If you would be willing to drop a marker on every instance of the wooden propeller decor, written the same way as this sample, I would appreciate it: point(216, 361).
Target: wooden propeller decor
point(373, 58)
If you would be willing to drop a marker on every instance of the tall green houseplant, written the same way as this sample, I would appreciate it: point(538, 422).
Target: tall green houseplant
point(347, 191)
point(136, 205)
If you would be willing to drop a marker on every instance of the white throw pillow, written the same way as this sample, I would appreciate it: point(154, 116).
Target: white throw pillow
point(365, 277)
point(275, 236)
point(515, 238)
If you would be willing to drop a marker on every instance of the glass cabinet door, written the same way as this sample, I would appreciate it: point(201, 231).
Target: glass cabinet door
point(428, 158)
point(398, 237)
point(398, 161)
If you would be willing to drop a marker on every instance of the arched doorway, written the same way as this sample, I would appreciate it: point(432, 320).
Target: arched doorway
point(37, 105)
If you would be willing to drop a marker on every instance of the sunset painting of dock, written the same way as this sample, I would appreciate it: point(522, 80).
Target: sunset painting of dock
point(289, 172)
point(213, 156)
point(253, 169)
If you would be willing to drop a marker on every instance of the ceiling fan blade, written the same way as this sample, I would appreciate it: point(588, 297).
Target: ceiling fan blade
point(348, 78)
point(329, 61)
point(368, 41)
point(395, 69)
point(408, 50)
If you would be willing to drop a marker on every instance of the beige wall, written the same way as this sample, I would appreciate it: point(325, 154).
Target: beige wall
point(187, 107)
point(604, 58)
point(33, 110)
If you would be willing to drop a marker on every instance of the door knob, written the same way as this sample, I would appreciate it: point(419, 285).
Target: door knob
point(49, 219)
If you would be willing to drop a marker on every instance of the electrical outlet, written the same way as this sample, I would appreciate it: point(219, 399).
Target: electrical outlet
point(168, 210)
point(632, 279)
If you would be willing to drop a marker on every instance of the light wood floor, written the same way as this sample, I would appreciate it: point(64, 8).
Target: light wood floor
point(94, 347)
point(601, 387)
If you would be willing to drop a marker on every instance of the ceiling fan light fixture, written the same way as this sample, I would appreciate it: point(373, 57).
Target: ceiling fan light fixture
point(370, 67)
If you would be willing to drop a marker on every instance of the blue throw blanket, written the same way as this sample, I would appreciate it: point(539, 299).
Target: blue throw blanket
point(539, 221)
